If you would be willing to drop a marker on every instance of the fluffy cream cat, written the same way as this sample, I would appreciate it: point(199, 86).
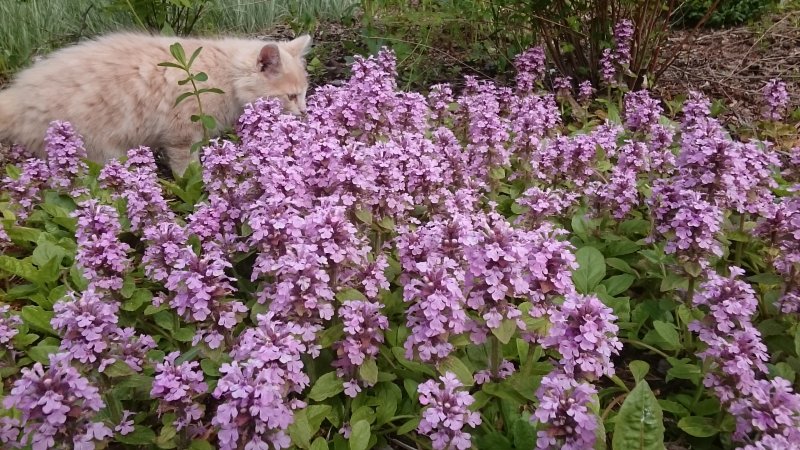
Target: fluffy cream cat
point(114, 93)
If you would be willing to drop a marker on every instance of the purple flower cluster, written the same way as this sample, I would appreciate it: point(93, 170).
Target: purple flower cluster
point(144, 199)
point(57, 405)
point(256, 388)
point(642, 111)
point(176, 386)
point(564, 412)
point(531, 117)
point(782, 232)
point(729, 173)
point(90, 334)
point(24, 192)
point(530, 66)
point(199, 292)
point(737, 356)
point(9, 327)
point(776, 99)
point(446, 413)
point(585, 335)
point(363, 328)
point(585, 91)
point(65, 155)
point(101, 255)
point(620, 55)
point(687, 221)
point(547, 203)
point(480, 109)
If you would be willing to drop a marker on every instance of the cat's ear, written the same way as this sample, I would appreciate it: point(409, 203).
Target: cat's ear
point(269, 58)
point(299, 46)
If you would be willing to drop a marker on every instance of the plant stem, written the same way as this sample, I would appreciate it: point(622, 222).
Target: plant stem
point(740, 244)
point(495, 357)
point(647, 346)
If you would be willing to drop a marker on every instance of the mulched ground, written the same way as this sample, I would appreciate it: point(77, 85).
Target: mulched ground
point(734, 64)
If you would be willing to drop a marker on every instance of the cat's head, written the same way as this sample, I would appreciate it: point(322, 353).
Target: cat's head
point(278, 71)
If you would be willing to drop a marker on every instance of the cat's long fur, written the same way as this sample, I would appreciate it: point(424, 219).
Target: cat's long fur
point(117, 97)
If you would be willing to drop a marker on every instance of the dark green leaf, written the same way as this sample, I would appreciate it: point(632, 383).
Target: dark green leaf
point(620, 265)
point(673, 407)
point(139, 298)
point(177, 52)
point(201, 76)
point(41, 352)
point(524, 435)
point(591, 271)
point(698, 426)
point(359, 435)
point(208, 122)
point(618, 283)
point(45, 251)
point(349, 294)
point(638, 369)
point(198, 444)
point(19, 267)
point(369, 371)
point(300, 430)
point(169, 64)
point(639, 424)
point(664, 335)
point(455, 365)
point(37, 318)
point(210, 91)
point(194, 56)
point(493, 441)
point(506, 330)
point(210, 368)
point(326, 386)
point(319, 444)
point(140, 435)
point(183, 97)
point(410, 425)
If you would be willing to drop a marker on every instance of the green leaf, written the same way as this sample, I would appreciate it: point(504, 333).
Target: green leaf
point(364, 215)
point(664, 335)
point(208, 122)
point(170, 64)
point(141, 435)
point(769, 279)
point(620, 265)
point(210, 91)
point(639, 369)
point(139, 298)
point(683, 370)
point(37, 318)
point(326, 386)
point(118, 369)
point(506, 330)
point(591, 271)
point(673, 407)
point(494, 441)
point(182, 97)
point(618, 283)
point(177, 52)
point(319, 444)
point(194, 56)
point(369, 371)
point(45, 251)
point(41, 353)
point(210, 367)
point(300, 430)
point(410, 425)
point(198, 444)
point(350, 294)
point(698, 426)
point(19, 267)
point(201, 76)
point(185, 334)
point(524, 435)
point(359, 435)
point(639, 424)
point(455, 365)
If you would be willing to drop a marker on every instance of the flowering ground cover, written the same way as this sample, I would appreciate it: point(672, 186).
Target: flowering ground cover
point(502, 268)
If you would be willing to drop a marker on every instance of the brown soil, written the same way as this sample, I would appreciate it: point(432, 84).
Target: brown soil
point(734, 64)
